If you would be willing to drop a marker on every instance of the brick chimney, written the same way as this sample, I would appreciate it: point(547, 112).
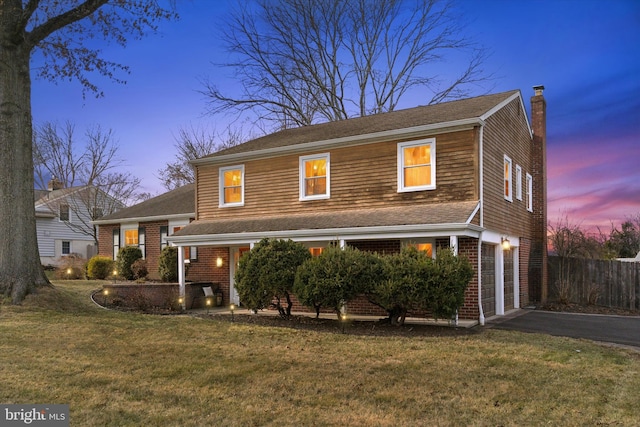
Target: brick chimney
point(55, 184)
point(538, 282)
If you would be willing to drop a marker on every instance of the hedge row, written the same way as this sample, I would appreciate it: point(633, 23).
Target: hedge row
point(400, 283)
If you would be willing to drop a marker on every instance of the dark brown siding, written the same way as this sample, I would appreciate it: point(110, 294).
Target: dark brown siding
point(361, 176)
point(506, 133)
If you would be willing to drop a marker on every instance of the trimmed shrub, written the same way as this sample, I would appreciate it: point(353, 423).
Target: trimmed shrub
point(404, 284)
point(168, 264)
point(447, 285)
point(336, 277)
point(126, 257)
point(266, 274)
point(139, 269)
point(100, 267)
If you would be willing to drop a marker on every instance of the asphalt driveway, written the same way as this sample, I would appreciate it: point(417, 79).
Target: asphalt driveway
point(624, 330)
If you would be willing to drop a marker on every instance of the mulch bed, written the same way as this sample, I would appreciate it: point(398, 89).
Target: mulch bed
point(380, 328)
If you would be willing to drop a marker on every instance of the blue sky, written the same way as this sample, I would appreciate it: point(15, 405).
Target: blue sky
point(586, 53)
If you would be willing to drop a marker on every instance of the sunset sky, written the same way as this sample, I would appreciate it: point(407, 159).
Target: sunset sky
point(586, 53)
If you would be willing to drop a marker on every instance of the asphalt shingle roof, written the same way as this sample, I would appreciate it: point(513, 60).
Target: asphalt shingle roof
point(400, 119)
point(179, 201)
point(428, 214)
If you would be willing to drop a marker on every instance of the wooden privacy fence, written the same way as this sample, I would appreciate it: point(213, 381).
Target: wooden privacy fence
point(593, 281)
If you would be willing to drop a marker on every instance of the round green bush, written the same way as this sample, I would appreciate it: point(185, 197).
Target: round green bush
point(126, 257)
point(168, 264)
point(100, 267)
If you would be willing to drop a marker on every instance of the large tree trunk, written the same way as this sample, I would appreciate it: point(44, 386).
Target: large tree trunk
point(20, 268)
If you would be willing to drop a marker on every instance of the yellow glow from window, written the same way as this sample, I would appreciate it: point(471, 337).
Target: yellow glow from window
point(233, 186)
point(507, 178)
point(417, 165)
point(425, 247)
point(131, 237)
point(315, 177)
point(316, 251)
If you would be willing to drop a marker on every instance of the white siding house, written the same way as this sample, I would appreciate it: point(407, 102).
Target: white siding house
point(63, 221)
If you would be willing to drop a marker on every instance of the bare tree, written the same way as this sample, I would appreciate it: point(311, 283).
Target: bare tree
point(86, 168)
point(61, 31)
point(301, 62)
point(193, 143)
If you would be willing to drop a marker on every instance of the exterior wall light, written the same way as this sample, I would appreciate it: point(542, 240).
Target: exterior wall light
point(219, 262)
point(506, 244)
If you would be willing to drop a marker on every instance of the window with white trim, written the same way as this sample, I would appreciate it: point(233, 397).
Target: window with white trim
point(314, 177)
point(66, 247)
point(417, 165)
point(232, 186)
point(508, 180)
point(529, 190)
point(518, 182)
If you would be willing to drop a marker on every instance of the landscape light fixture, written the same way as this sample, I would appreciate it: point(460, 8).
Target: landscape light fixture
point(208, 303)
point(115, 275)
point(232, 307)
point(69, 271)
point(506, 244)
point(105, 294)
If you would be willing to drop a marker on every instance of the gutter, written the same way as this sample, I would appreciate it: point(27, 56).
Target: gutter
point(143, 218)
point(481, 319)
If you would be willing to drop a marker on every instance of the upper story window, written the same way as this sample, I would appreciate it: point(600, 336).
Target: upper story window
point(63, 212)
point(529, 193)
point(314, 177)
point(417, 165)
point(232, 186)
point(508, 180)
point(518, 182)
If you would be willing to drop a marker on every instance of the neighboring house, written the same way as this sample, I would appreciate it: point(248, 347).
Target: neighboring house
point(147, 226)
point(63, 220)
point(636, 259)
point(467, 174)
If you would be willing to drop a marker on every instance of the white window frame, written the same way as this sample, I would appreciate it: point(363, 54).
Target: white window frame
point(68, 212)
point(221, 172)
point(529, 190)
point(518, 182)
point(401, 146)
point(62, 247)
point(303, 160)
point(507, 196)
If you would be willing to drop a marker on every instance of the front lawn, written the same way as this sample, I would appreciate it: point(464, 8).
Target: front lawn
point(129, 369)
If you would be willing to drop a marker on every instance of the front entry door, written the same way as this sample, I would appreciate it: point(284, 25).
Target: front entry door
point(236, 254)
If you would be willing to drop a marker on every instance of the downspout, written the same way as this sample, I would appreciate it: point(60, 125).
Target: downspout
point(481, 179)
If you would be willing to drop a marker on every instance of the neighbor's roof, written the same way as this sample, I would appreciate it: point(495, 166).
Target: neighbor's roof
point(429, 215)
point(401, 119)
point(180, 201)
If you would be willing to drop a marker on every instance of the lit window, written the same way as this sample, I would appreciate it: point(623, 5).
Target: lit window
point(518, 182)
point(529, 193)
point(424, 247)
point(314, 177)
point(131, 237)
point(417, 165)
point(64, 212)
point(232, 186)
point(316, 251)
point(508, 190)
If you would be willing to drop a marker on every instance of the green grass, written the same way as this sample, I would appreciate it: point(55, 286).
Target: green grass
point(127, 369)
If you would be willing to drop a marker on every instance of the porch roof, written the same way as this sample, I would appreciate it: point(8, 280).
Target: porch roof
point(333, 224)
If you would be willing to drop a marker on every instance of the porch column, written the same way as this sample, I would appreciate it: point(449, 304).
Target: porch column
point(453, 244)
point(181, 278)
point(516, 277)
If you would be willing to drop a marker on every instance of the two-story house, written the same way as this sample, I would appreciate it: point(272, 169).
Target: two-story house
point(468, 174)
point(64, 220)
